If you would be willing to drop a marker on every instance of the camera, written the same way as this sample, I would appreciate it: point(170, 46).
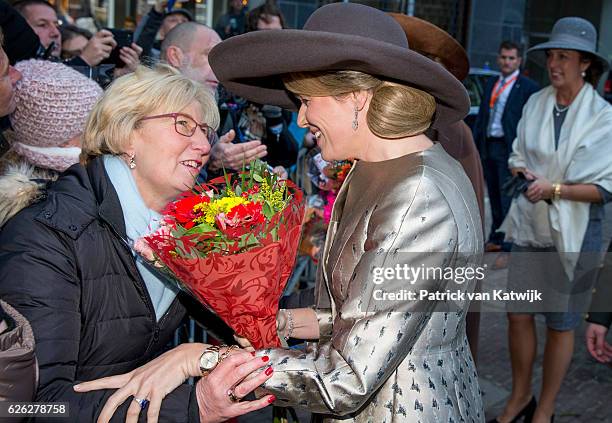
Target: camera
point(124, 38)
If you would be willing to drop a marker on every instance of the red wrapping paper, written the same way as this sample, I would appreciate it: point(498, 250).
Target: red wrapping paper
point(243, 288)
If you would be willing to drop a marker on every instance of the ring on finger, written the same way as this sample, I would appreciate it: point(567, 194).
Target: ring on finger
point(142, 402)
point(232, 395)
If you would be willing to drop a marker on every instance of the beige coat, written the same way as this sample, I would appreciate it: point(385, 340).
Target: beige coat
point(391, 361)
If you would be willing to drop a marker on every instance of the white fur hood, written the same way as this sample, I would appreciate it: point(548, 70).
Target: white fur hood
point(21, 184)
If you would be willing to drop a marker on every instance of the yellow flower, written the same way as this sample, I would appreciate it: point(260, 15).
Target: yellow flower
point(275, 198)
point(211, 210)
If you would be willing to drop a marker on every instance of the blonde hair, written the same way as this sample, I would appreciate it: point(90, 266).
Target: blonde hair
point(136, 95)
point(396, 110)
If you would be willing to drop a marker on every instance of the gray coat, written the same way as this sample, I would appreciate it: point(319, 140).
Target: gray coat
point(18, 368)
point(400, 360)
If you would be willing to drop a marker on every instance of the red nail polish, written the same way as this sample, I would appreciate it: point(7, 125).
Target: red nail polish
point(271, 399)
point(265, 358)
point(268, 371)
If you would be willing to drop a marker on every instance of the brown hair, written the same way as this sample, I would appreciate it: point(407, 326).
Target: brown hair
point(594, 71)
point(396, 110)
point(269, 8)
point(511, 45)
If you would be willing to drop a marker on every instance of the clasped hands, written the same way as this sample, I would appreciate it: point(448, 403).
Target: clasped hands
point(539, 189)
point(232, 379)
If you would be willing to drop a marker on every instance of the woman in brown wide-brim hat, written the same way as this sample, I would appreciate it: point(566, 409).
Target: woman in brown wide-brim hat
point(405, 203)
point(386, 349)
point(456, 138)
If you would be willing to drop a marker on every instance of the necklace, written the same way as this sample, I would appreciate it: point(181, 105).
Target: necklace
point(559, 110)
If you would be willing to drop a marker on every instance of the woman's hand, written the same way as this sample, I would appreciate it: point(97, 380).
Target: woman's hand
point(154, 381)
point(281, 172)
point(244, 343)
point(540, 189)
point(515, 170)
point(236, 377)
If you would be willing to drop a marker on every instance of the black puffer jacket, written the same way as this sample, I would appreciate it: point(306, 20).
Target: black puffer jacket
point(65, 267)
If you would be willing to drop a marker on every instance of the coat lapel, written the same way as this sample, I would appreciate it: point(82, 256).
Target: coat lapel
point(513, 93)
point(329, 258)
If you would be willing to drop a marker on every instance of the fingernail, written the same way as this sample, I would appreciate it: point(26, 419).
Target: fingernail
point(268, 371)
point(265, 358)
point(76, 387)
point(271, 399)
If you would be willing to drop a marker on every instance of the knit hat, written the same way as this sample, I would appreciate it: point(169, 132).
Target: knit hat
point(53, 102)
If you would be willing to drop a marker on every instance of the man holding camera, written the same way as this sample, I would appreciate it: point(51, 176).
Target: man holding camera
point(42, 18)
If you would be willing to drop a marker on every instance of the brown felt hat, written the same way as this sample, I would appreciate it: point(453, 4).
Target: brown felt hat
point(338, 36)
point(428, 39)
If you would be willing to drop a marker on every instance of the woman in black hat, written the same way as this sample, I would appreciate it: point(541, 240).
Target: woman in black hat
point(388, 346)
point(563, 149)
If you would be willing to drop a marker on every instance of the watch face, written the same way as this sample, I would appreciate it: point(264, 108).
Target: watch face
point(209, 360)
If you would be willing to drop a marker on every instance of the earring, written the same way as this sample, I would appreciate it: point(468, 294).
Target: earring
point(583, 74)
point(132, 163)
point(355, 122)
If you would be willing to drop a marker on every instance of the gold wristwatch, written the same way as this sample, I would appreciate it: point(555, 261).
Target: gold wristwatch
point(212, 356)
point(209, 359)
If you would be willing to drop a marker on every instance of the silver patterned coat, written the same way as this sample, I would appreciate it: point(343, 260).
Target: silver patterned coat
point(393, 360)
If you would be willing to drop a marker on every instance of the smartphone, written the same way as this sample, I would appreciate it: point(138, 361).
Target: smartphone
point(124, 38)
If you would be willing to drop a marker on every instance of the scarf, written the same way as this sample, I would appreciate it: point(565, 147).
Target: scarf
point(55, 158)
point(139, 221)
point(582, 157)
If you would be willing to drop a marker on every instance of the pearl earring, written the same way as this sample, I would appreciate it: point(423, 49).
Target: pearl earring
point(583, 74)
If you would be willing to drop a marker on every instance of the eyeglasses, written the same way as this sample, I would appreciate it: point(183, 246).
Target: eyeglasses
point(184, 124)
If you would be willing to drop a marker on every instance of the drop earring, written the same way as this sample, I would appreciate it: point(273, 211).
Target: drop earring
point(132, 163)
point(355, 121)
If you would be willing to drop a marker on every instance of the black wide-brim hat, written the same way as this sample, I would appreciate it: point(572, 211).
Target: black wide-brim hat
point(338, 36)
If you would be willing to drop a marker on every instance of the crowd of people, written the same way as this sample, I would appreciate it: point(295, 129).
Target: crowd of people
point(98, 133)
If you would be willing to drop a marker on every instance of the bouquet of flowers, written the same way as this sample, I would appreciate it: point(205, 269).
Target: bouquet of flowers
point(232, 244)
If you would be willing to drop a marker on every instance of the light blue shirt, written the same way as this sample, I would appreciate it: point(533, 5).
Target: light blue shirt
point(140, 221)
point(495, 128)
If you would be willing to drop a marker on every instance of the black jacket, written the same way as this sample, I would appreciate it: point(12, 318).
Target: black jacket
point(522, 89)
point(20, 41)
point(146, 32)
point(65, 267)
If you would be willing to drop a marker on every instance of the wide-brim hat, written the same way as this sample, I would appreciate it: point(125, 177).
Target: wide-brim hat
point(338, 36)
point(573, 33)
point(426, 38)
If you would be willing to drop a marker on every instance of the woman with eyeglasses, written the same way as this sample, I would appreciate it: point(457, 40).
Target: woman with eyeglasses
point(66, 263)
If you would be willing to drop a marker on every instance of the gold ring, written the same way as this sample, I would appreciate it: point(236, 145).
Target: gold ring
point(232, 396)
